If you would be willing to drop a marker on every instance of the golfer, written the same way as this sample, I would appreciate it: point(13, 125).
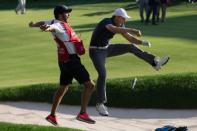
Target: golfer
point(100, 48)
point(69, 62)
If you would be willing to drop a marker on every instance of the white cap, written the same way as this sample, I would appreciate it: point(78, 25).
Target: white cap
point(121, 12)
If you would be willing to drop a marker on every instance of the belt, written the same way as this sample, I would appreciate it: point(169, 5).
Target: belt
point(97, 47)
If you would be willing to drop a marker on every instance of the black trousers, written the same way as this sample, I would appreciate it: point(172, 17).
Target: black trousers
point(153, 9)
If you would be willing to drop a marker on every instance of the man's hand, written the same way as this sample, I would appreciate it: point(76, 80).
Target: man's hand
point(36, 24)
point(135, 32)
point(138, 33)
point(45, 27)
point(31, 24)
point(146, 43)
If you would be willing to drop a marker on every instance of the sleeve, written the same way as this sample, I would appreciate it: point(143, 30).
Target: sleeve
point(48, 22)
point(57, 28)
point(107, 22)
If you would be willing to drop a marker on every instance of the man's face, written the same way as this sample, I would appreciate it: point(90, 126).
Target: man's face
point(64, 16)
point(120, 20)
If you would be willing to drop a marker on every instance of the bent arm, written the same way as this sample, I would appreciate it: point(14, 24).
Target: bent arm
point(122, 30)
point(116, 29)
point(135, 40)
point(132, 39)
point(37, 24)
point(45, 27)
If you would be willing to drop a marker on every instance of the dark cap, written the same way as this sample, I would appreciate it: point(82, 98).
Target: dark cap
point(59, 9)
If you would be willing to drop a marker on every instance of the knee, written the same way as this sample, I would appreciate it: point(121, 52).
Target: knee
point(132, 48)
point(63, 87)
point(61, 90)
point(90, 85)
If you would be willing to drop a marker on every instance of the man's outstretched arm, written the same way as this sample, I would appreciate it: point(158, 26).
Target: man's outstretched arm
point(45, 27)
point(123, 30)
point(135, 40)
point(37, 24)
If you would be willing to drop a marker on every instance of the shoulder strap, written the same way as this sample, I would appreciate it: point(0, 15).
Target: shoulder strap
point(68, 29)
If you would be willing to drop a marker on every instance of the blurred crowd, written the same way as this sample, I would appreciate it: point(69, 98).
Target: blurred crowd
point(21, 7)
point(156, 8)
point(191, 1)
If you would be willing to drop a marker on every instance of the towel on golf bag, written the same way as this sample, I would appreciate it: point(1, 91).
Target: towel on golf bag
point(172, 128)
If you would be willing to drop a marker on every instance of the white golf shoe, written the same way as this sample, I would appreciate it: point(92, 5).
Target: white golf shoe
point(102, 109)
point(160, 62)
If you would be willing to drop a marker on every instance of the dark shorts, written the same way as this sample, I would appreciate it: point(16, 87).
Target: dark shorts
point(73, 69)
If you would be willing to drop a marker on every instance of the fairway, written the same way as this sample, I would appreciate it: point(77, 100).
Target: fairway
point(28, 56)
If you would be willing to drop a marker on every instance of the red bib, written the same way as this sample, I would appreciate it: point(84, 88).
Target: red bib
point(63, 54)
point(74, 39)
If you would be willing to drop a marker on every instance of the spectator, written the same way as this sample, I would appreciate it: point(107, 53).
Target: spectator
point(153, 8)
point(143, 5)
point(162, 7)
point(21, 6)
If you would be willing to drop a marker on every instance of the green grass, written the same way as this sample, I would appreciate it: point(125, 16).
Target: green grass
point(162, 91)
point(20, 127)
point(28, 56)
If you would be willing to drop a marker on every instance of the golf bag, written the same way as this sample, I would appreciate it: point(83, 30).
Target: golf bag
point(172, 128)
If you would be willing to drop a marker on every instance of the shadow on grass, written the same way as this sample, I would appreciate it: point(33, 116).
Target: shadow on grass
point(127, 7)
point(174, 27)
point(84, 28)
